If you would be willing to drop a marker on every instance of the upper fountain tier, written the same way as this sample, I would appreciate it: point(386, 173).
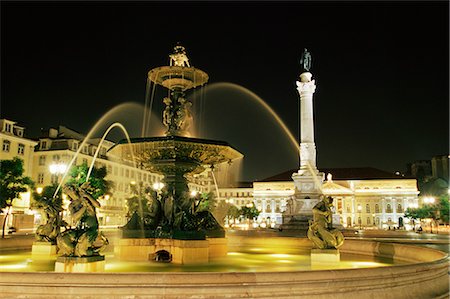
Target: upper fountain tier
point(179, 75)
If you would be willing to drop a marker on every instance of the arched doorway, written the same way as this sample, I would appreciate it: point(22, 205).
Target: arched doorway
point(400, 222)
point(349, 221)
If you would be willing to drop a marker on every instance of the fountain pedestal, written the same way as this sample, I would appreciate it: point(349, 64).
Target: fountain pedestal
point(181, 251)
point(43, 248)
point(80, 264)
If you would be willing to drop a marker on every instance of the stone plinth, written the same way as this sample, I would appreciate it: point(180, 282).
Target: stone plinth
point(43, 248)
point(218, 247)
point(182, 251)
point(80, 264)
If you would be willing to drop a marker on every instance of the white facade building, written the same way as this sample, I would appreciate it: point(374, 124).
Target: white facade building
point(363, 197)
point(14, 144)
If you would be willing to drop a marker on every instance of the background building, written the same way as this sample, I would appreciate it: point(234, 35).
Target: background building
point(14, 144)
point(363, 197)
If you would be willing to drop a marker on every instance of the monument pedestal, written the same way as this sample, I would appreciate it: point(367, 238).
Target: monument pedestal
point(43, 248)
point(80, 264)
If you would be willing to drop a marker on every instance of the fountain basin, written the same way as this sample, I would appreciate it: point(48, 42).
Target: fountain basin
point(425, 275)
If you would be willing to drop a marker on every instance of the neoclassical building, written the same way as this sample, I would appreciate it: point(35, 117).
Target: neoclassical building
point(364, 197)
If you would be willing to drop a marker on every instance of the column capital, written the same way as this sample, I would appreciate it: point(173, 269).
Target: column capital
point(305, 88)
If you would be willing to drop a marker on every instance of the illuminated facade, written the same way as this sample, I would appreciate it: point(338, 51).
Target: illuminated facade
point(363, 197)
point(14, 144)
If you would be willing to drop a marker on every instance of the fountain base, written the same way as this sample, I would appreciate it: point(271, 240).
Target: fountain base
point(325, 256)
point(80, 264)
point(181, 251)
point(43, 248)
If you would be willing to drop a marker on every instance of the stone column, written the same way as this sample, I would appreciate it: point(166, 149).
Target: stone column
point(308, 181)
point(306, 88)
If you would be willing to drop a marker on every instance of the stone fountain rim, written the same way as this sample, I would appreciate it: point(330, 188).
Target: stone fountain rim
point(425, 278)
point(175, 138)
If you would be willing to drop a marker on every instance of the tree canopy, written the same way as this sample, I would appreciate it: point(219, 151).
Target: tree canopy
point(12, 181)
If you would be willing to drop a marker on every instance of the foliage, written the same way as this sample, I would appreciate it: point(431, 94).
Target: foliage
point(221, 211)
point(12, 183)
point(444, 208)
point(439, 211)
point(419, 213)
point(233, 212)
point(98, 186)
point(249, 212)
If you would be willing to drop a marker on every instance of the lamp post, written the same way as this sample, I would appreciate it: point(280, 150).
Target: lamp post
point(360, 220)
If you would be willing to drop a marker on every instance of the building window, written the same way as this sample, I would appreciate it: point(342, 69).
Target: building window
point(277, 209)
point(109, 171)
point(348, 209)
point(127, 173)
point(377, 208)
point(268, 209)
point(43, 144)
point(75, 146)
point(399, 208)
point(21, 149)
point(368, 221)
point(367, 208)
point(54, 179)
point(40, 178)
point(6, 145)
point(41, 160)
point(359, 220)
point(377, 221)
point(56, 158)
point(388, 208)
point(7, 127)
point(85, 161)
point(115, 171)
point(132, 174)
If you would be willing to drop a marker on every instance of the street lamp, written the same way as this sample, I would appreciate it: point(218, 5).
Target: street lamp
point(360, 220)
point(158, 186)
point(429, 199)
point(39, 190)
point(57, 169)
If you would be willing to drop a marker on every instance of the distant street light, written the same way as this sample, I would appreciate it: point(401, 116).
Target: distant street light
point(39, 190)
point(158, 186)
point(429, 199)
point(57, 168)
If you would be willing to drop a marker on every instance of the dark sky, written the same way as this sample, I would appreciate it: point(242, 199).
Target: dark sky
point(381, 69)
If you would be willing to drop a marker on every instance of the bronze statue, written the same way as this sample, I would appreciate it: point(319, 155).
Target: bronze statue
point(321, 231)
point(50, 208)
point(84, 239)
point(305, 60)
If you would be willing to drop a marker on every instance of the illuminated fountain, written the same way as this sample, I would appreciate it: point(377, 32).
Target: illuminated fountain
point(176, 226)
point(278, 267)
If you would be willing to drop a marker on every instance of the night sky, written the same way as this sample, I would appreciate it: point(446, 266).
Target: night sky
point(381, 70)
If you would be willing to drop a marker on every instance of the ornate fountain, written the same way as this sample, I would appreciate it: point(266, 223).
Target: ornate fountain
point(175, 221)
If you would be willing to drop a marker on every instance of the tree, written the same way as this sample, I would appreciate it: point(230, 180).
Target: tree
point(98, 185)
point(12, 183)
point(250, 212)
point(423, 212)
point(444, 209)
